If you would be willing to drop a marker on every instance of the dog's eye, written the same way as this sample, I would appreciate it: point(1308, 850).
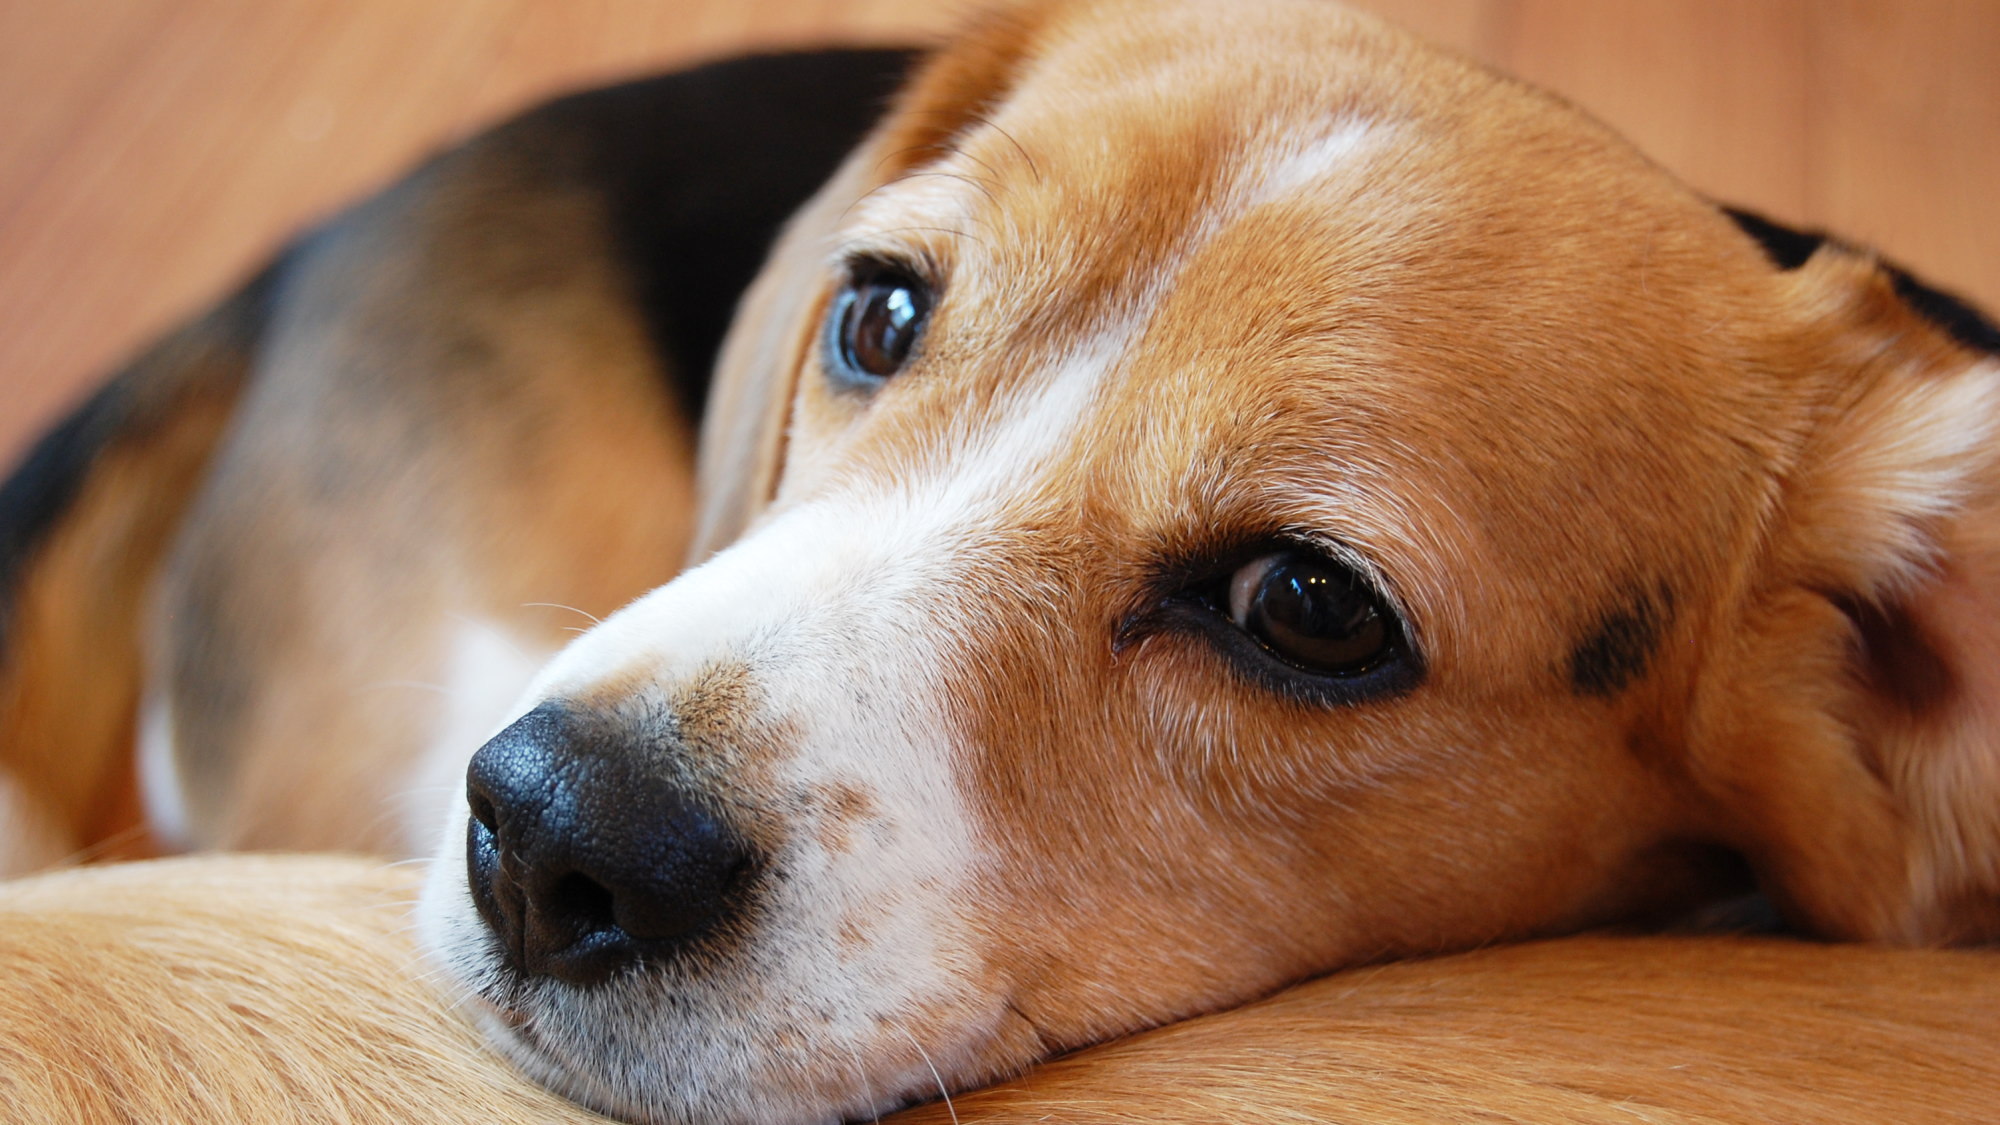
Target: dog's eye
point(875, 323)
point(1311, 612)
point(1297, 620)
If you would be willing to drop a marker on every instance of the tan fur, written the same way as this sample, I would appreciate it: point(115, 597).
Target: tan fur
point(1608, 1030)
point(287, 989)
point(1865, 753)
point(235, 990)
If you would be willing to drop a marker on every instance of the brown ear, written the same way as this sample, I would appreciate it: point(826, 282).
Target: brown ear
point(743, 432)
point(1852, 726)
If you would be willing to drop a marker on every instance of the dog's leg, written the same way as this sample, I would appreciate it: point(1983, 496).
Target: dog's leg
point(236, 989)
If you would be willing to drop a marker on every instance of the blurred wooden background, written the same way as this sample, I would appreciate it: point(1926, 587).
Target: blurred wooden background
point(153, 150)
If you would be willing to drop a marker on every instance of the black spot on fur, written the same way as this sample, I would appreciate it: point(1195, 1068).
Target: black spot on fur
point(1620, 645)
point(1787, 248)
point(699, 169)
point(1948, 311)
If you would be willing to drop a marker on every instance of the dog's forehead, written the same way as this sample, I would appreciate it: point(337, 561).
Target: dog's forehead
point(1307, 269)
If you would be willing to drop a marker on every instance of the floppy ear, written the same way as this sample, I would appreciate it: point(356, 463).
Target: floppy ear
point(743, 431)
point(1852, 728)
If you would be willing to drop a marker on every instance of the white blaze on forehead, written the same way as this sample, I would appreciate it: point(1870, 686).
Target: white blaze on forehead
point(1289, 161)
point(1296, 162)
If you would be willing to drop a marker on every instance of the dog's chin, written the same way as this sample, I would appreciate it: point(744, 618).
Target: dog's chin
point(510, 1033)
point(569, 1042)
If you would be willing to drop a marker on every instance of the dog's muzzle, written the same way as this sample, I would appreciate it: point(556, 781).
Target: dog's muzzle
point(584, 856)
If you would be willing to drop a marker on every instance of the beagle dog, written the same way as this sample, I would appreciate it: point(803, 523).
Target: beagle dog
point(1211, 494)
point(1204, 496)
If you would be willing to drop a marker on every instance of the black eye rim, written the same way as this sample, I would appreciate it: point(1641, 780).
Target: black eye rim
point(1197, 605)
point(861, 274)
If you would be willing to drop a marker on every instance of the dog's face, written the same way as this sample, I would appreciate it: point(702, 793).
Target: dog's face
point(1250, 495)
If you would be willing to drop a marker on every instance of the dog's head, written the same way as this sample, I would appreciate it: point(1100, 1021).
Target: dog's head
point(1226, 492)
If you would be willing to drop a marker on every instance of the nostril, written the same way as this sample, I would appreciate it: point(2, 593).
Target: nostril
point(584, 900)
point(482, 810)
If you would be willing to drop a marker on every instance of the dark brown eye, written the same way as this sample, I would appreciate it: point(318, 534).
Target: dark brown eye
point(874, 324)
point(1311, 612)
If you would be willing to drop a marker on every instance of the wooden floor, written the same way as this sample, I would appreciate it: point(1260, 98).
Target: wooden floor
point(152, 150)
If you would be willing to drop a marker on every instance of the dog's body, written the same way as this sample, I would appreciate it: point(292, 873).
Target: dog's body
point(315, 517)
point(1197, 501)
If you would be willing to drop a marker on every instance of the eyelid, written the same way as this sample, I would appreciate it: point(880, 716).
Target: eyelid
point(851, 264)
point(1213, 568)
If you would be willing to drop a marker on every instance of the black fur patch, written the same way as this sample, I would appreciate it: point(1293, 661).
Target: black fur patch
point(699, 170)
point(1620, 645)
point(1948, 311)
point(1789, 249)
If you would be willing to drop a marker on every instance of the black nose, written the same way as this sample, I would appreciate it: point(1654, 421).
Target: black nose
point(583, 859)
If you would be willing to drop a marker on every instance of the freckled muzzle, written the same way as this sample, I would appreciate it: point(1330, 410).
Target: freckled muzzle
point(584, 857)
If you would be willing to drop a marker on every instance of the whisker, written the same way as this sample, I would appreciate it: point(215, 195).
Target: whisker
point(935, 1076)
point(974, 181)
point(505, 638)
point(867, 1091)
point(594, 619)
point(98, 850)
point(983, 119)
point(942, 230)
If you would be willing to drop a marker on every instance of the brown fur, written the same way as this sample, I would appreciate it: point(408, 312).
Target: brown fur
point(287, 989)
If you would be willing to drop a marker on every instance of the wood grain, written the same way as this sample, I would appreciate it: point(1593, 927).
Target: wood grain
point(152, 151)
